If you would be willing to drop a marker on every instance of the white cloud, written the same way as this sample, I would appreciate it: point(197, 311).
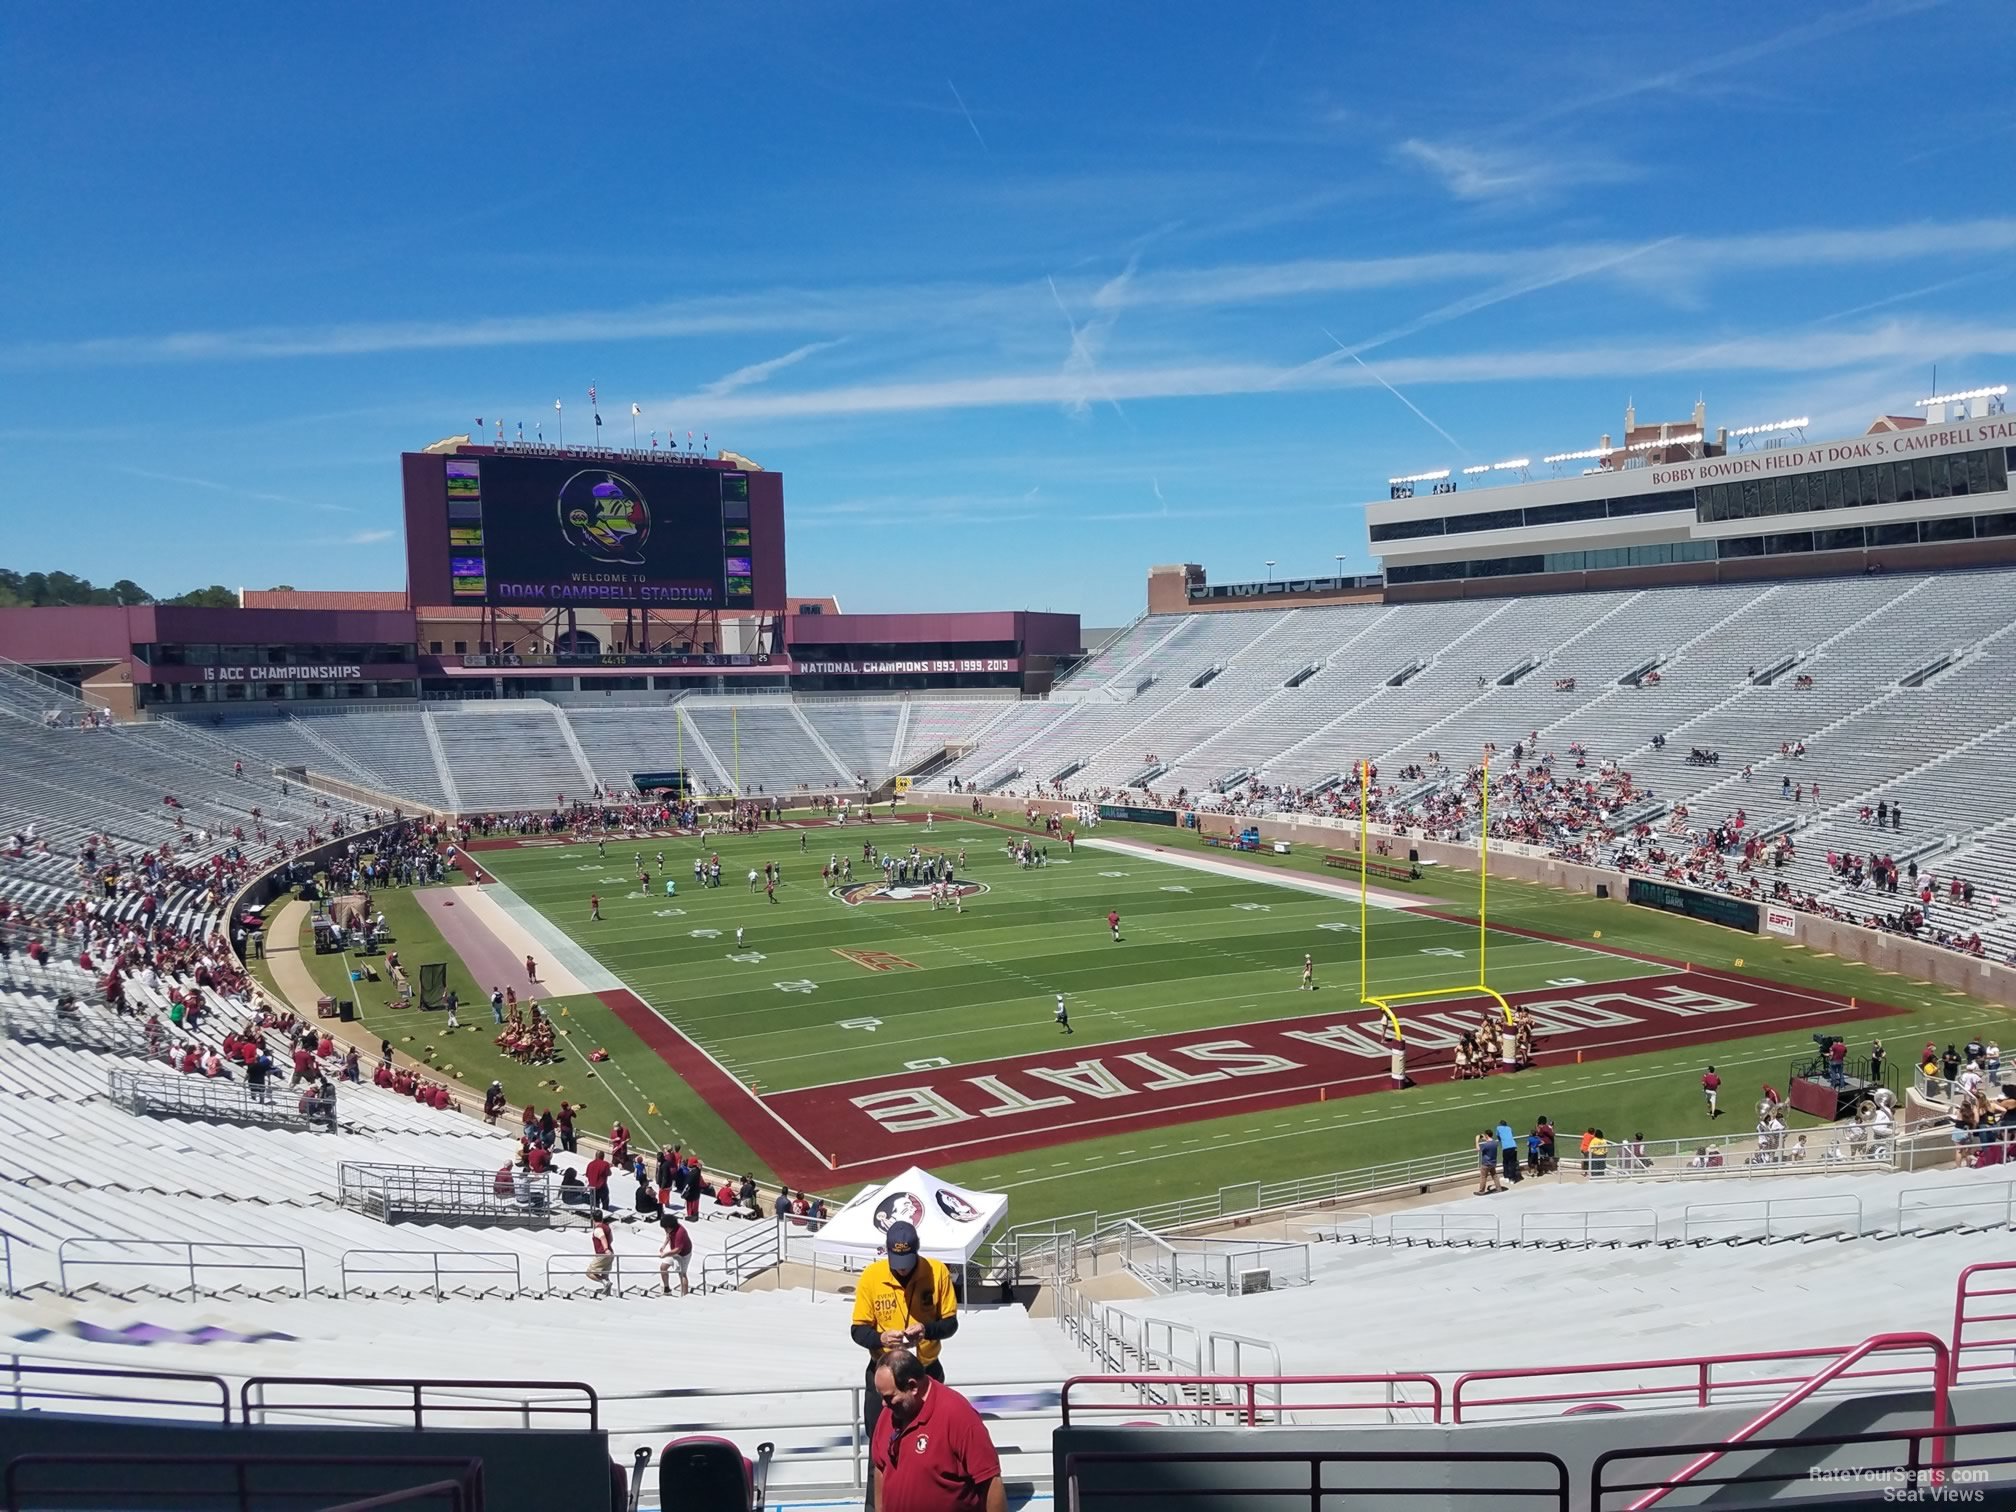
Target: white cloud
point(758, 372)
point(1081, 363)
point(1627, 84)
point(833, 314)
point(1795, 351)
point(1500, 172)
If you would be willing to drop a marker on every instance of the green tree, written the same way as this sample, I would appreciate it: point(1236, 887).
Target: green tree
point(216, 596)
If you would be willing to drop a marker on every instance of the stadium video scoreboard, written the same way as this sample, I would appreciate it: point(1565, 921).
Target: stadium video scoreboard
point(586, 530)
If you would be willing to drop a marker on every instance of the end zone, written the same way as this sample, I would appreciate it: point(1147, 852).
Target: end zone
point(1031, 1101)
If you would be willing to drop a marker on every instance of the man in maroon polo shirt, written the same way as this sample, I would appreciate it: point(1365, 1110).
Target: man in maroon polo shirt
point(931, 1451)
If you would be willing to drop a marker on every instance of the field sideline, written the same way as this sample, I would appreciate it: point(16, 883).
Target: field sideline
point(884, 1030)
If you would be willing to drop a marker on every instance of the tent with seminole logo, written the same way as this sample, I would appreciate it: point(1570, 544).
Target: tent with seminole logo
point(951, 1221)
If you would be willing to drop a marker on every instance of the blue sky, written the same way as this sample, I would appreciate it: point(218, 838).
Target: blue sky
point(1021, 299)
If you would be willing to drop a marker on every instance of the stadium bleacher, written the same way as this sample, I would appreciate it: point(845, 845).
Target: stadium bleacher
point(1907, 702)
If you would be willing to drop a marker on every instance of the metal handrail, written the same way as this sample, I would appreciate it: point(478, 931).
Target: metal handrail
point(433, 1269)
point(16, 1369)
point(650, 1262)
point(1625, 1218)
point(1887, 1474)
point(1322, 1491)
point(465, 1488)
point(1472, 1226)
point(392, 1192)
point(1963, 1293)
point(7, 1257)
point(1248, 1386)
point(1843, 1203)
point(760, 1248)
point(198, 1097)
point(1003, 1256)
point(1876, 1344)
point(1964, 1197)
point(190, 1260)
point(253, 1406)
point(21, 1022)
point(1701, 1389)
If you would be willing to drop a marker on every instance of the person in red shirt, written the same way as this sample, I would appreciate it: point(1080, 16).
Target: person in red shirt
point(597, 1176)
point(594, 908)
point(531, 969)
point(931, 1451)
point(1113, 923)
point(1711, 1084)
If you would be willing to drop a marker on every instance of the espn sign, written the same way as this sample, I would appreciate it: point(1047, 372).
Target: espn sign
point(1780, 920)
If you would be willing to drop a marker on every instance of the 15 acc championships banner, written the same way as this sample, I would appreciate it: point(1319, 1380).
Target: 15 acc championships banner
point(561, 532)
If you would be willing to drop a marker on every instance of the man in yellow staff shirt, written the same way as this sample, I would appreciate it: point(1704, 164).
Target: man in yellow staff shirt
point(903, 1301)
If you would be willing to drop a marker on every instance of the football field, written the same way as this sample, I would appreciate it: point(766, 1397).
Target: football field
point(856, 1028)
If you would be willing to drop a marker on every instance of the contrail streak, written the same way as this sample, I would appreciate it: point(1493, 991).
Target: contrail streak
point(1397, 394)
point(969, 118)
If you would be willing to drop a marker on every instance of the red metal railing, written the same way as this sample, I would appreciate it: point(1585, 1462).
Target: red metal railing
point(1970, 1326)
point(1697, 1388)
point(1941, 1413)
point(1245, 1400)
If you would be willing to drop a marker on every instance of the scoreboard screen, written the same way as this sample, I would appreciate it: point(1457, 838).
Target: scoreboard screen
point(556, 531)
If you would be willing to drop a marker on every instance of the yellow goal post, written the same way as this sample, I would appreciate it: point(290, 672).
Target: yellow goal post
point(1384, 1001)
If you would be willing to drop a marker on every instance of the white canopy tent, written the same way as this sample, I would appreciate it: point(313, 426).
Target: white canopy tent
point(952, 1222)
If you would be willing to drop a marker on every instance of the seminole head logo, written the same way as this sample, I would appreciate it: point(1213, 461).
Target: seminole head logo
point(857, 893)
point(605, 518)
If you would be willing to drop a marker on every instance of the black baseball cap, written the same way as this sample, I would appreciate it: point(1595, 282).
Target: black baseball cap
point(901, 1244)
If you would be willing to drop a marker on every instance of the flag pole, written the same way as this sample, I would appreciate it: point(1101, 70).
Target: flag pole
point(559, 424)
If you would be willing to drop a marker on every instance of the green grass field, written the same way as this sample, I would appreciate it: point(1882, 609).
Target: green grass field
point(1201, 952)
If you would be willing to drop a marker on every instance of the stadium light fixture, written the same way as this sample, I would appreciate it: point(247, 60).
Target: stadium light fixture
point(1515, 465)
point(1471, 472)
point(1580, 456)
point(1776, 425)
point(1425, 477)
point(1980, 393)
point(1687, 440)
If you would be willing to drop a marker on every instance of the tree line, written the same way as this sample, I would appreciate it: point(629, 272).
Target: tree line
point(37, 590)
